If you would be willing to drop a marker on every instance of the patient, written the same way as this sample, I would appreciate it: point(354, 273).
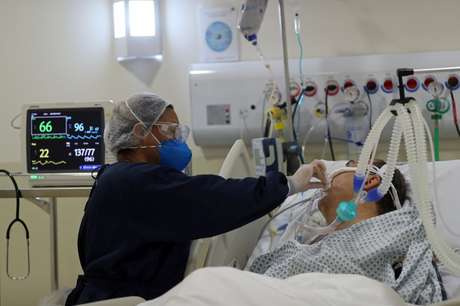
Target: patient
point(382, 243)
point(341, 189)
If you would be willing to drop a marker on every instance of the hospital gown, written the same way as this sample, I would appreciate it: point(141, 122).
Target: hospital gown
point(370, 248)
point(140, 219)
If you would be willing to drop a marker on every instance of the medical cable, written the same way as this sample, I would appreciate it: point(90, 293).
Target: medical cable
point(296, 123)
point(244, 131)
point(267, 223)
point(13, 120)
point(298, 102)
point(356, 143)
point(263, 120)
point(328, 130)
point(454, 111)
point(299, 44)
point(17, 219)
point(268, 124)
point(309, 133)
point(370, 109)
point(314, 127)
point(325, 149)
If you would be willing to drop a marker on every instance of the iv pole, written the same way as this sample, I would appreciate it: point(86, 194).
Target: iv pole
point(254, 19)
point(292, 149)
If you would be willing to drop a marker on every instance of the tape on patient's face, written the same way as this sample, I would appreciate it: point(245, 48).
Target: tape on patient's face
point(332, 175)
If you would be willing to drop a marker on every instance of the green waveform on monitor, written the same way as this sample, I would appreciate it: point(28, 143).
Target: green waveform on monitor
point(48, 137)
point(48, 162)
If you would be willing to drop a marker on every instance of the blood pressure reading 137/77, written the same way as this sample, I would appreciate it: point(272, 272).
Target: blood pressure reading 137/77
point(65, 140)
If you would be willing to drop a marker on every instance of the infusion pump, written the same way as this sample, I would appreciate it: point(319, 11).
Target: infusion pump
point(63, 143)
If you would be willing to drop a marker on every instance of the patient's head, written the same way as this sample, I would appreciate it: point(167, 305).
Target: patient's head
point(341, 189)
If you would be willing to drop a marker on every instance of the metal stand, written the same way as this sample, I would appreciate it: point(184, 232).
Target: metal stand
point(287, 81)
point(292, 148)
point(53, 244)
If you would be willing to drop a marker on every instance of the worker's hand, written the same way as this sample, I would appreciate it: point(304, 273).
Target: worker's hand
point(300, 181)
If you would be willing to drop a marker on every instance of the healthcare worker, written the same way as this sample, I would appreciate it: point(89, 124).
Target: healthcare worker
point(143, 211)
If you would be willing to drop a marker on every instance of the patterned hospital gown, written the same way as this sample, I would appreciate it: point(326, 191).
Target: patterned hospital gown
point(369, 248)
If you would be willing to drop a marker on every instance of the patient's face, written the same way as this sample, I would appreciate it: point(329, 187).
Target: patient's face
point(341, 189)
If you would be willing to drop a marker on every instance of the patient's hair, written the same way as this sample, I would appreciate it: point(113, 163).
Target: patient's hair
point(386, 204)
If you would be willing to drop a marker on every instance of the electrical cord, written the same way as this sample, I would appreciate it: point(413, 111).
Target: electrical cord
point(263, 121)
point(13, 120)
point(268, 124)
point(267, 223)
point(357, 143)
point(299, 44)
point(244, 131)
point(329, 138)
point(370, 109)
point(454, 111)
point(294, 112)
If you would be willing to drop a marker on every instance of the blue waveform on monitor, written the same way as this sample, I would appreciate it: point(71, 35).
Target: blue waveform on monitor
point(84, 137)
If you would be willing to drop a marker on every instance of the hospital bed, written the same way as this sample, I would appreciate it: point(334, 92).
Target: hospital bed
point(234, 248)
point(229, 249)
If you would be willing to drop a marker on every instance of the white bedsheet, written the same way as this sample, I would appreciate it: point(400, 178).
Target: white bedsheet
point(228, 286)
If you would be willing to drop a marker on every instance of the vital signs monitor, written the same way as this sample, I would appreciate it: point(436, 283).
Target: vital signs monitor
point(64, 143)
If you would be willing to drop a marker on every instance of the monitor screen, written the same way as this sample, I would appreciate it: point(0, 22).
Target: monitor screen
point(65, 139)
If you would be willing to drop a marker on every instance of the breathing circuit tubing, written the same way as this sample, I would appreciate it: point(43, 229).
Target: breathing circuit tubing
point(412, 126)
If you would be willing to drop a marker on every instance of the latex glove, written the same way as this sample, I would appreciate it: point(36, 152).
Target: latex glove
point(301, 180)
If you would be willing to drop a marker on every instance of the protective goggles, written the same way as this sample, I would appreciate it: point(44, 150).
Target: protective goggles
point(173, 130)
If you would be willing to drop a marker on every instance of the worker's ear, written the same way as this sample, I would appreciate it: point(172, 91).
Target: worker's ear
point(372, 182)
point(139, 130)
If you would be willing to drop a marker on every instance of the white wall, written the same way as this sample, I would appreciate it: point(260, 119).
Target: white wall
point(54, 50)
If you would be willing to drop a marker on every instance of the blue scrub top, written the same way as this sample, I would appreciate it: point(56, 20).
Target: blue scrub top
point(140, 218)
